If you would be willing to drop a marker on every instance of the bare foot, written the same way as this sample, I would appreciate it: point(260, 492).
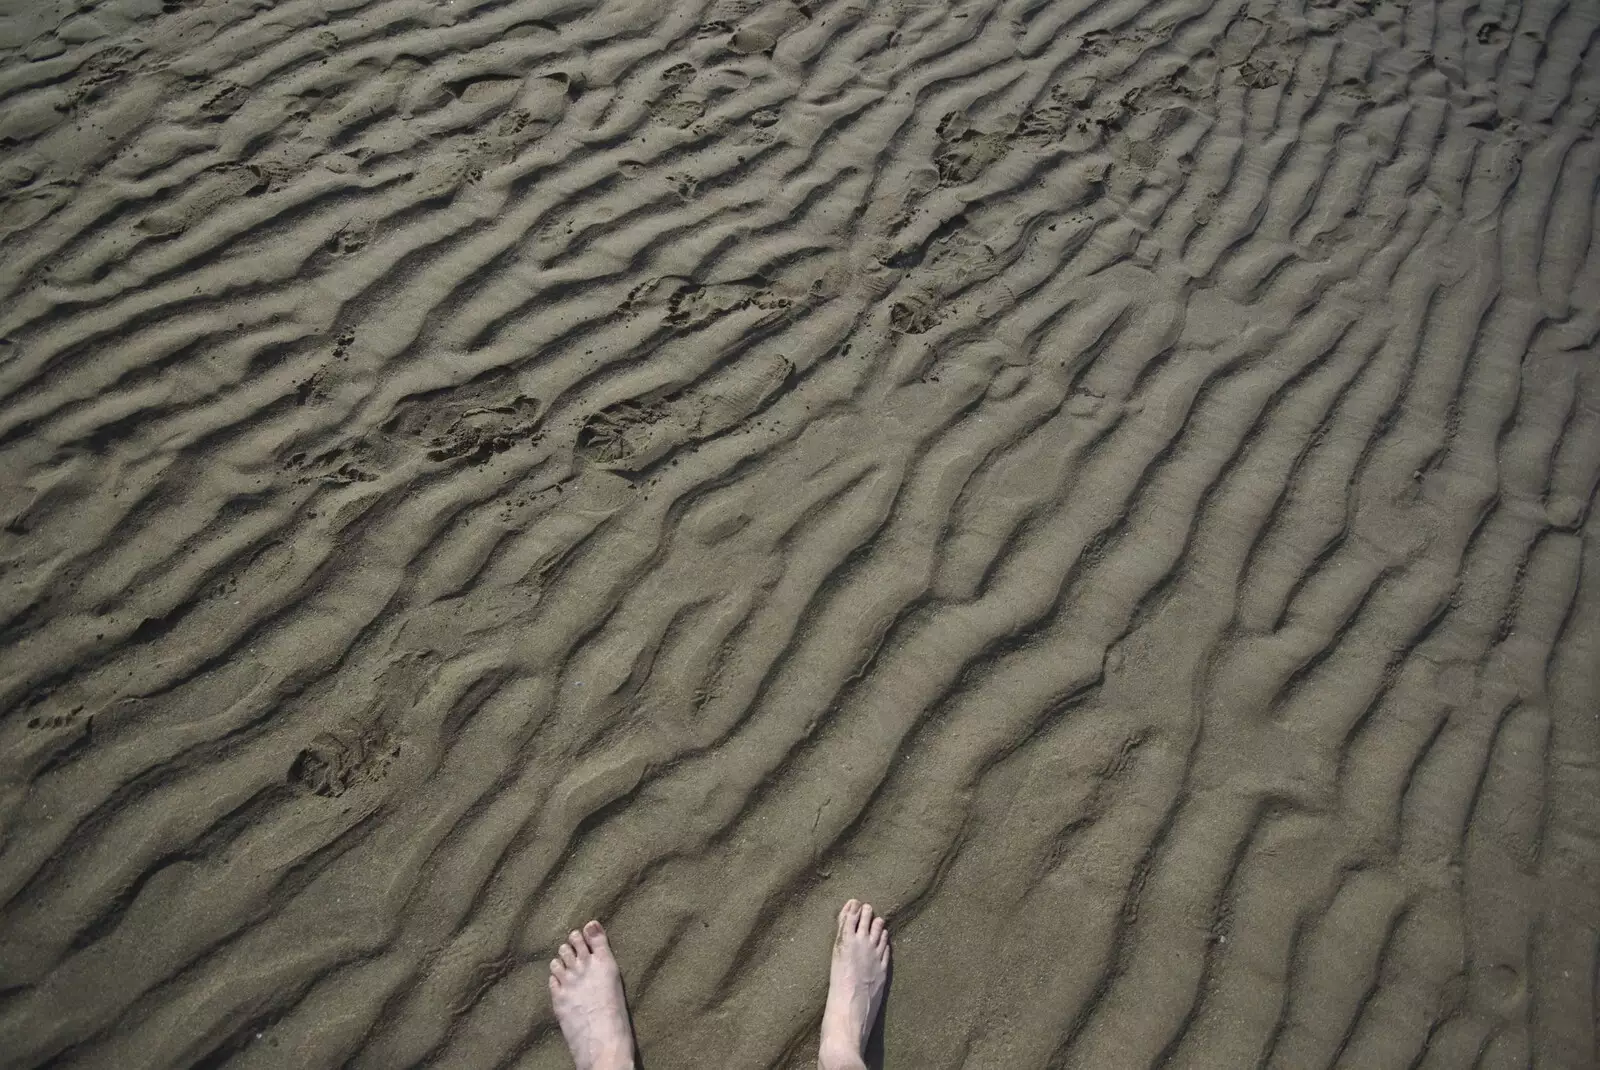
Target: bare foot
point(855, 987)
point(586, 991)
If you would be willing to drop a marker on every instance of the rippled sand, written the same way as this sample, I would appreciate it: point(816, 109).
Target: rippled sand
point(1109, 482)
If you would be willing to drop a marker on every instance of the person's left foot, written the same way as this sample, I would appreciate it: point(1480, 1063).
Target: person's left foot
point(856, 981)
point(586, 991)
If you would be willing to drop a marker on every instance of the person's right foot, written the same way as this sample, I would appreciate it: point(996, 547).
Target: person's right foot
point(855, 987)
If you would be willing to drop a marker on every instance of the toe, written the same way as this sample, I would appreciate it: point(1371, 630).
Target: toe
point(580, 946)
point(568, 956)
point(558, 973)
point(848, 915)
point(555, 986)
point(876, 930)
point(595, 934)
point(864, 924)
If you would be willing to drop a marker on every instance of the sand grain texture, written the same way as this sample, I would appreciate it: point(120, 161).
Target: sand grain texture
point(1108, 482)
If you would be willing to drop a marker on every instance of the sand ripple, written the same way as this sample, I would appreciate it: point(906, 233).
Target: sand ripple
point(1110, 482)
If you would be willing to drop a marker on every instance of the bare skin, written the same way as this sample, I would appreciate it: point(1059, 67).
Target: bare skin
point(586, 991)
point(856, 982)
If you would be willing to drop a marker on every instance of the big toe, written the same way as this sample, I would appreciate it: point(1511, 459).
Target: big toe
point(595, 934)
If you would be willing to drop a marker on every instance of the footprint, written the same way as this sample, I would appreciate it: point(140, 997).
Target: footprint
point(967, 151)
point(211, 189)
point(329, 468)
point(540, 105)
point(690, 303)
point(913, 317)
point(224, 99)
point(334, 763)
point(735, 394)
point(27, 207)
point(620, 433)
point(684, 185)
point(633, 434)
point(480, 433)
point(679, 113)
point(493, 89)
point(51, 722)
point(1241, 38)
point(1258, 74)
point(472, 422)
point(1143, 154)
point(694, 304)
point(101, 74)
point(749, 42)
point(350, 238)
point(1044, 124)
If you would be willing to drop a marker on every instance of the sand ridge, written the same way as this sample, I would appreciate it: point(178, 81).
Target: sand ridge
point(1119, 468)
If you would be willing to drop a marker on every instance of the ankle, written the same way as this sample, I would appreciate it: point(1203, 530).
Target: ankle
point(836, 1055)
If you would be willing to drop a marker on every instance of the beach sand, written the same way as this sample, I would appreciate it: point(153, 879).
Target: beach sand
point(1108, 483)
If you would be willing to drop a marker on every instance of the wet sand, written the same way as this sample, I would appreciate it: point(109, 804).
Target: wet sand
point(1108, 483)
